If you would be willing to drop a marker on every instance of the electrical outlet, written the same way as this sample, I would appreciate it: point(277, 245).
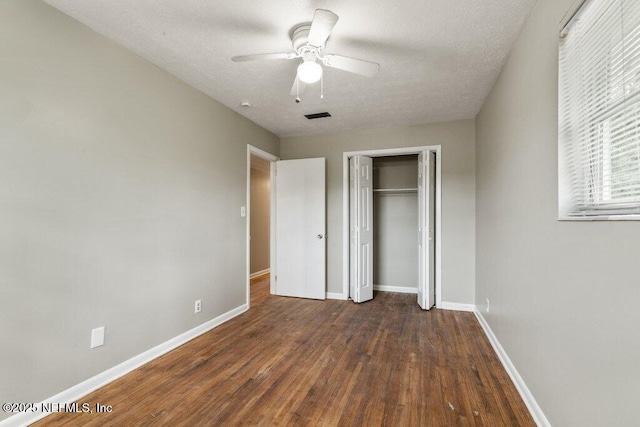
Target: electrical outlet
point(198, 306)
point(487, 307)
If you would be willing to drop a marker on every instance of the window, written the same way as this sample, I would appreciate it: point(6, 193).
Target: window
point(599, 111)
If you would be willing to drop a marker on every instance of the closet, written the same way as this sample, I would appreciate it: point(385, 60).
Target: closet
point(391, 222)
point(395, 224)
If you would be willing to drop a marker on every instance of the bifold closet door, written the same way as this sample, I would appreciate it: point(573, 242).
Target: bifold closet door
point(300, 228)
point(426, 229)
point(361, 228)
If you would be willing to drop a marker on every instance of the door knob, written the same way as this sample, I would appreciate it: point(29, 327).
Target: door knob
point(319, 236)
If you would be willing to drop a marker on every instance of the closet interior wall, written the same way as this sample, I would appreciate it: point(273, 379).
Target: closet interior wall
point(395, 207)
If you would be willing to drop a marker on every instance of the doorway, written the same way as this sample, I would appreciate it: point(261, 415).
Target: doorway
point(259, 213)
point(405, 183)
point(297, 223)
point(259, 224)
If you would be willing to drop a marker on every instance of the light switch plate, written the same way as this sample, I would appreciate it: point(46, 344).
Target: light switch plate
point(97, 337)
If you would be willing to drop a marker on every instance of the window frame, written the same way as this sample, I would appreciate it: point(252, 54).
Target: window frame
point(567, 209)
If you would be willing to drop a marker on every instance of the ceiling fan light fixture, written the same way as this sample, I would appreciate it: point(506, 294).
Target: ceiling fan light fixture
point(309, 71)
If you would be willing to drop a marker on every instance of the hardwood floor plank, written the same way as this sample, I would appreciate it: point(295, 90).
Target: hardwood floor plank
point(291, 361)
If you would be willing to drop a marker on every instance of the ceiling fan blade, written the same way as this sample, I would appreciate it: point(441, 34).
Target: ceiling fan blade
point(352, 65)
point(261, 56)
point(302, 87)
point(321, 26)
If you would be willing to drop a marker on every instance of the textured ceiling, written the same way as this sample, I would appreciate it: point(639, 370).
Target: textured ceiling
point(439, 58)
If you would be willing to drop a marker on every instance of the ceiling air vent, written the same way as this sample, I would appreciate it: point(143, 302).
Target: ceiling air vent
point(317, 115)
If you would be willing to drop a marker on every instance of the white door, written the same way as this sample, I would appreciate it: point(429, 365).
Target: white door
point(361, 228)
point(300, 228)
point(426, 229)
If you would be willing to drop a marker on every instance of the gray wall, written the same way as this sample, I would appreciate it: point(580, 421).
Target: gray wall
point(458, 189)
point(564, 295)
point(260, 225)
point(120, 203)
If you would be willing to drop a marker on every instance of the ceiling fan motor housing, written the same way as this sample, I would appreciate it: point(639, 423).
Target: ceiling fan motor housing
point(300, 37)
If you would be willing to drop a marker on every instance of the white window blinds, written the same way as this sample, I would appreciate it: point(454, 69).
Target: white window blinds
point(599, 109)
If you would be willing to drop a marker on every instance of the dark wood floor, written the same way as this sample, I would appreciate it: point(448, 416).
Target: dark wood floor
point(293, 361)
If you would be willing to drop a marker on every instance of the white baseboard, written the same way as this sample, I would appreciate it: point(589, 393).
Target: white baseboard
point(399, 289)
point(260, 273)
point(535, 410)
point(336, 295)
point(457, 306)
point(82, 389)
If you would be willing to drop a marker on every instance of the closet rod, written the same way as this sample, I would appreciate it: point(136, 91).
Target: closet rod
point(395, 190)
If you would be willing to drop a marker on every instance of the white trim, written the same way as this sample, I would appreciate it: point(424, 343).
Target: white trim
point(398, 289)
point(571, 12)
point(272, 231)
point(345, 209)
point(600, 218)
point(271, 158)
point(335, 295)
point(346, 259)
point(260, 273)
point(438, 226)
point(535, 410)
point(82, 389)
point(456, 306)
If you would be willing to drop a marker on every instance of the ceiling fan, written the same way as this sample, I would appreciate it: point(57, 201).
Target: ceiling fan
point(308, 42)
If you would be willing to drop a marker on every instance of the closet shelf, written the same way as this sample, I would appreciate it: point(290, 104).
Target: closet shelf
point(395, 190)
